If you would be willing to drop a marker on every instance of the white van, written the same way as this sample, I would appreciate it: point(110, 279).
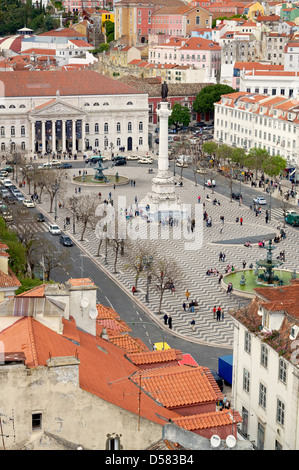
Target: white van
point(7, 182)
point(184, 159)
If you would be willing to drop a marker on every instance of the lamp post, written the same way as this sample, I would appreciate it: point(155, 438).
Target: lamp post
point(111, 146)
point(271, 189)
point(147, 261)
point(55, 188)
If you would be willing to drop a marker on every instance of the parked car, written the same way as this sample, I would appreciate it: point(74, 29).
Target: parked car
point(259, 200)
point(10, 199)
point(8, 169)
point(3, 173)
point(172, 131)
point(210, 183)
point(28, 203)
point(94, 159)
point(170, 139)
point(208, 126)
point(4, 192)
point(40, 217)
point(65, 165)
point(45, 166)
point(19, 197)
point(145, 160)
point(65, 240)
point(199, 124)
point(7, 183)
point(236, 195)
point(54, 229)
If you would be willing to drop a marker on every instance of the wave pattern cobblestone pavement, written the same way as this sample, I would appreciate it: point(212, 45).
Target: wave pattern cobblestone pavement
point(193, 264)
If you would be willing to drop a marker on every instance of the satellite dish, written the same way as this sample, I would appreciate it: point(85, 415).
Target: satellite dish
point(215, 441)
point(93, 313)
point(84, 302)
point(230, 441)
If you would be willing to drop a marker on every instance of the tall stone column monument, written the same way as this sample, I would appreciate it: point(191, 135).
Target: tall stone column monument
point(162, 194)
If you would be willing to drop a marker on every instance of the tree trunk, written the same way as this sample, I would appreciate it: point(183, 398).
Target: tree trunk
point(83, 232)
point(116, 257)
point(161, 297)
point(99, 247)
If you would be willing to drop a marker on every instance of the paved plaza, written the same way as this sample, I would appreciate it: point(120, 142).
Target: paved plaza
point(206, 290)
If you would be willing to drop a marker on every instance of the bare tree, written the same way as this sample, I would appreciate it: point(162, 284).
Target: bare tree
point(25, 227)
point(55, 183)
point(52, 258)
point(136, 253)
point(165, 273)
point(85, 211)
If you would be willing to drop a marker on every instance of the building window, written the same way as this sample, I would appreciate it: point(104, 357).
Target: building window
point(36, 421)
point(262, 396)
point(118, 142)
point(23, 146)
point(245, 415)
point(96, 128)
point(2, 146)
point(87, 128)
point(113, 443)
point(22, 130)
point(96, 143)
point(140, 126)
point(2, 131)
point(140, 141)
point(282, 372)
point(260, 436)
point(96, 104)
point(247, 342)
point(118, 128)
point(106, 128)
point(278, 446)
point(246, 380)
point(129, 103)
point(264, 356)
point(129, 126)
point(12, 131)
point(280, 410)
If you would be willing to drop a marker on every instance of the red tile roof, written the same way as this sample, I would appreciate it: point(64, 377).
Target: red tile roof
point(103, 369)
point(81, 43)
point(9, 280)
point(208, 420)
point(66, 32)
point(38, 291)
point(200, 44)
point(177, 386)
point(68, 82)
point(154, 357)
point(129, 344)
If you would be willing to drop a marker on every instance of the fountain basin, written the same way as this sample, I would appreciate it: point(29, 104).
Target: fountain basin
point(252, 281)
point(91, 180)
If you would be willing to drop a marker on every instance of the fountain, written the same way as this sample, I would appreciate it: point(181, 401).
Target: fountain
point(268, 265)
point(266, 273)
point(99, 176)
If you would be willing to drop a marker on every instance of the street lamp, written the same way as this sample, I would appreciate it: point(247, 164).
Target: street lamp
point(111, 146)
point(147, 261)
point(55, 188)
point(271, 189)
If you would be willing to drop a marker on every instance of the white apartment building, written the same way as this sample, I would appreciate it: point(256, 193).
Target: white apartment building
point(265, 385)
point(270, 82)
point(250, 120)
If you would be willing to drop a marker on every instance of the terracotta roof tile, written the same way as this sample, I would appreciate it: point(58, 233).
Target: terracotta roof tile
point(208, 420)
point(9, 280)
point(177, 386)
point(106, 312)
point(65, 32)
point(154, 357)
point(103, 369)
point(68, 82)
point(128, 343)
point(81, 282)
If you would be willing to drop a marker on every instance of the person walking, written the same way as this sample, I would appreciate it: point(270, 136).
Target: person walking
point(192, 323)
point(244, 264)
point(223, 257)
point(266, 216)
point(133, 290)
point(187, 294)
point(241, 220)
point(165, 319)
point(198, 199)
point(218, 313)
point(184, 307)
point(170, 322)
point(220, 256)
point(214, 311)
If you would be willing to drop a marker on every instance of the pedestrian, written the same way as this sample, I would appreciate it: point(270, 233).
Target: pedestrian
point(223, 257)
point(244, 264)
point(198, 199)
point(184, 307)
point(114, 186)
point(241, 220)
point(220, 256)
point(222, 315)
point(214, 311)
point(165, 319)
point(134, 182)
point(192, 323)
point(133, 290)
point(187, 294)
point(170, 322)
point(220, 278)
point(222, 219)
point(218, 313)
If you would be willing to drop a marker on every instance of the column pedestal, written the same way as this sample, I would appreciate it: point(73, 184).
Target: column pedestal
point(43, 137)
point(53, 136)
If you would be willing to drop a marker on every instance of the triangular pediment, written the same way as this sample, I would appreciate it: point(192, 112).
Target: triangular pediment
point(57, 108)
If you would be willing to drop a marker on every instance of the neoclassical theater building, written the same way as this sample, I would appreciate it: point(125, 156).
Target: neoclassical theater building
point(58, 111)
